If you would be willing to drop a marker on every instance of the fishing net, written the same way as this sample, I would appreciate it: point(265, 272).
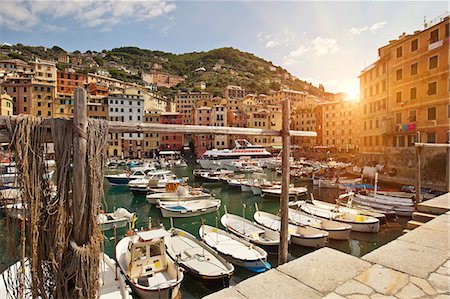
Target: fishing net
point(58, 241)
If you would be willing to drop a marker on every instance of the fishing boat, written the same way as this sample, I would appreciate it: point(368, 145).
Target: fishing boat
point(336, 230)
point(180, 163)
point(181, 194)
point(359, 223)
point(401, 206)
point(122, 179)
point(153, 179)
point(344, 209)
point(244, 164)
point(149, 270)
point(215, 176)
point(190, 208)
point(301, 235)
point(218, 159)
point(250, 231)
point(117, 219)
point(234, 249)
point(197, 258)
point(275, 193)
point(235, 182)
point(18, 280)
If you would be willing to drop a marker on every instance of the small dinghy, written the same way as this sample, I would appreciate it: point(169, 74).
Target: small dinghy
point(149, 270)
point(190, 208)
point(301, 235)
point(250, 231)
point(336, 230)
point(119, 218)
point(235, 250)
point(359, 223)
point(197, 258)
point(401, 206)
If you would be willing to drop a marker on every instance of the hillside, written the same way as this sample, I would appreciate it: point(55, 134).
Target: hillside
point(216, 68)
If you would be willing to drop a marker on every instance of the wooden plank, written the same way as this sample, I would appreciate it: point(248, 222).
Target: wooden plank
point(79, 165)
point(285, 177)
point(123, 127)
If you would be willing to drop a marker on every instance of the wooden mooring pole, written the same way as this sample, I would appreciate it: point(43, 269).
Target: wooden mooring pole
point(285, 178)
point(79, 165)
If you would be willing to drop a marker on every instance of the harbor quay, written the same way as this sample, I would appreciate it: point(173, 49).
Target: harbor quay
point(415, 265)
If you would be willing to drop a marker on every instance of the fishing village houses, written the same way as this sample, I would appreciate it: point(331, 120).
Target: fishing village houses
point(402, 93)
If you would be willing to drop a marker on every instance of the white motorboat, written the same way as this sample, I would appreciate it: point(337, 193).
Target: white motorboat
point(336, 230)
point(218, 159)
point(301, 235)
point(154, 179)
point(149, 270)
point(117, 219)
point(250, 231)
point(122, 179)
point(18, 278)
point(197, 258)
point(215, 176)
point(275, 193)
point(235, 182)
point(234, 249)
point(190, 208)
point(359, 223)
point(244, 165)
point(181, 194)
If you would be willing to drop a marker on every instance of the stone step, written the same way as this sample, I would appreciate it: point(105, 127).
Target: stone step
point(412, 224)
point(437, 206)
point(423, 217)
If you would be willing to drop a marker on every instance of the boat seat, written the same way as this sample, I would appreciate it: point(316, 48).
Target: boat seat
point(143, 281)
point(248, 230)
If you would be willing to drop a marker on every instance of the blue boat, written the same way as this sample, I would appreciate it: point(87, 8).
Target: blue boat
point(122, 179)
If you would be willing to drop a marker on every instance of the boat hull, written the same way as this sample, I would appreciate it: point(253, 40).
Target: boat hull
point(170, 292)
point(115, 181)
point(167, 213)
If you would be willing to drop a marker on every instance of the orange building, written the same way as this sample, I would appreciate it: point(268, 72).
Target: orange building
point(20, 91)
point(67, 82)
point(407, 90)
point(162, 79)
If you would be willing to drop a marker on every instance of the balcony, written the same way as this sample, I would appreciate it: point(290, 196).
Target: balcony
point(435, 45)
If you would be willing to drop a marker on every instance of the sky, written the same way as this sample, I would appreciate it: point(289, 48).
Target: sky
point(326, 42)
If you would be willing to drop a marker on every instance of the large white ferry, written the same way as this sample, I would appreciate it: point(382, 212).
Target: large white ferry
point(219, 159)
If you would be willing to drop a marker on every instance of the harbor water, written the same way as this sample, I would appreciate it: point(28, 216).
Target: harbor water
point(236, 202)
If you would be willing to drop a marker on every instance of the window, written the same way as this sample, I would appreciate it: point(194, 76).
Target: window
point(398, 118)
point(434, 36)
point(433, 62)
point(448, 111)
point(401, 141)
point(412, 115)
point(432, 88)
point(414, 45)
point(398, 96)
point(399, 74)
point(432, 113)
point(399, 52)
point(431, 137)
point(384, 85)
point(413, 93)
point(414, 68)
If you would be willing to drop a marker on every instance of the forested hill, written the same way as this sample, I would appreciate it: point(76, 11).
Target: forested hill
point(217, 68)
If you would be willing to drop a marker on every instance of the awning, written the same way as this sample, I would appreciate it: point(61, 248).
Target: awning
point(168, 153)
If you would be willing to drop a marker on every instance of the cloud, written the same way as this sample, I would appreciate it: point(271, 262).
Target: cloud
point(317, 47)
point(324, 46)
point(377, 26)
point(25, 15)
point(284, 37)
point(271, 44)
point(354, 31)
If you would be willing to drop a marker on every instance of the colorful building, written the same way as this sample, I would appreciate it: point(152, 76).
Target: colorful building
point(162, 79)
point(171, 141)
point(20, 90)
point(234, 92)
point(186, 102)
point(151, 140)
point(6, 104)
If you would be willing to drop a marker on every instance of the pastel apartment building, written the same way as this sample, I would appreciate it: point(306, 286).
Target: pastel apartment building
point(162, 79)
point(171, 141)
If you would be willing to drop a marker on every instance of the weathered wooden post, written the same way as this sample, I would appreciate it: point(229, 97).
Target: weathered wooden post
point(79, 165)
point(285, 176)
point(447, 168)
point(418, 174)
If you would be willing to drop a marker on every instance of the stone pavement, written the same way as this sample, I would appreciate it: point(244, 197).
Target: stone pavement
point(416, 265)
